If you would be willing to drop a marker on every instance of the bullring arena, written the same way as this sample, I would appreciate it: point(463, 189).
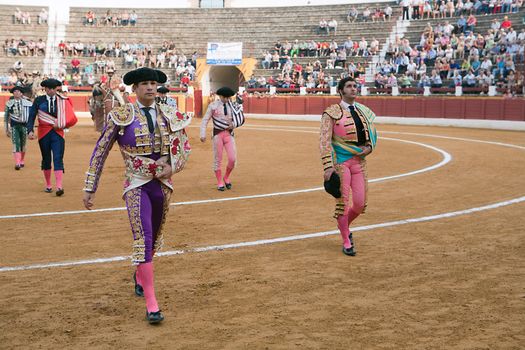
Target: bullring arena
point(440, 249)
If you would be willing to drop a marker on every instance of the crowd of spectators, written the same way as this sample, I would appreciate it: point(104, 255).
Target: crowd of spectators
point(456, 55)
point(373, 15)
point(421, 9)
point(111, 18)
point(22, 47)
point(24, 17)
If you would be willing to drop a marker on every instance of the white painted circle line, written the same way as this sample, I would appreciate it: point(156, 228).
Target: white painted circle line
point(446, 159)
point(273, 240)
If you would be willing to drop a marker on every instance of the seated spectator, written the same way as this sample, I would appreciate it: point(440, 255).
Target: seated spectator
point(387, 13)
point(457, 79)
point(108, 18)
point(366, 14)
point(26, 18)
point(90, 19)
point(332, 26)
point(424, 81)
point(75, 65)
point(125, 18)
point(133, 17)
point(266, 62)
point(18, 66)
point(323, 26)
point(470, 80)
point(435, 80)
point(471, 23)
point(377, 15)
point(405, 81)
point(17, 16)
point(507, 23)
point(41, 47)
point(352, 15)
point(42, 16)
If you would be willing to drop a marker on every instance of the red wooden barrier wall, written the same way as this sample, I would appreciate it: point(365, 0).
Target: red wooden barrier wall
point(494, 108)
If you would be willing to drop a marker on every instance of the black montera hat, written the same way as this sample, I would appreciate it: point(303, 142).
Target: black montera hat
point(163, 90)
point(51, 83)
point(225, 91)
point(144, 74)
point(17, 87)
point(333, 186)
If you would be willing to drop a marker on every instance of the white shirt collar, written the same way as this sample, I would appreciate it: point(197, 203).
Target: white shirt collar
point(142, 106)
point(346, 105)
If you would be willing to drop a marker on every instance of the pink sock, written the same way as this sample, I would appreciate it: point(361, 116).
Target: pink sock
point(23, 155)
point(47, 176)
point(138, 277)
point(146, 275)
point(342, 224)
point(227, 175)
point(17, 157)
point(218, 175)
point(58, 178)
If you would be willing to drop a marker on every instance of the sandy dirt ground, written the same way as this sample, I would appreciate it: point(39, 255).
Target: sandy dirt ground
point(444, 282)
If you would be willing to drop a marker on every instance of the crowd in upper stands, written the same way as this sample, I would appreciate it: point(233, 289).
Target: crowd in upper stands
point(448, 54)
point(24, 17)
point(111, 18)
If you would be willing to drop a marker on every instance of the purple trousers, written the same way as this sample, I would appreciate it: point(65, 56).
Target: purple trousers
point(147, 208)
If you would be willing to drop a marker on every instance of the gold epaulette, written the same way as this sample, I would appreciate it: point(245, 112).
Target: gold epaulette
point(123, 115)
point(334, 111)
point(176, 119)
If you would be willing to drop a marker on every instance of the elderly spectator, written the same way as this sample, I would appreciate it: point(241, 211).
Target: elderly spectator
point(352, 15)
point(42, 16)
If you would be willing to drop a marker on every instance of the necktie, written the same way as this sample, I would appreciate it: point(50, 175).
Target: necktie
point(149, 117)
point(359, 127)
point(225, 109)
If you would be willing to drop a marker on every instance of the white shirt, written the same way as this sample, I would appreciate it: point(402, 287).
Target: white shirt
point(152, 111)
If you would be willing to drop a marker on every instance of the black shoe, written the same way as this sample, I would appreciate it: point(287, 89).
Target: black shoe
point(154, 317)
point(351, 240)
point(349, 251)
point(220, 188)
point(22, 165)
point(17, 167)
point(139, 291)
point(48, 190)
point(60, 192)
point(229, 186)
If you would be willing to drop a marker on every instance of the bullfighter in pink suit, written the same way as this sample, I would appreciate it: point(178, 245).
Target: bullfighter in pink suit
point(348, 136)
point(226, 116)
point(154, 145)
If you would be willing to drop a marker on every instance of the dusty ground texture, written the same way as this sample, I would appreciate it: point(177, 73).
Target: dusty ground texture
point(446, 283)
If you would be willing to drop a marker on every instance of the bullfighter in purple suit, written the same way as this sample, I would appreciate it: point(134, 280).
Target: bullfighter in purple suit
point(154, 145)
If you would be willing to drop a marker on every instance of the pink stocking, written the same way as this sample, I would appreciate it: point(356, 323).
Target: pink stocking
point(145, 271)
point(47, 176)
point(23, 155)
point(17, 157)
point(342, 224)
point(227, 175)
point(218, 175)
point(58, 178)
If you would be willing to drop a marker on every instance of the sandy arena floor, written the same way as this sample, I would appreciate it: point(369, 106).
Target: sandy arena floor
point(437, 281)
